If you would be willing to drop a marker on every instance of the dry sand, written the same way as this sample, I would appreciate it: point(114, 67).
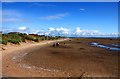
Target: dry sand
point(73, 58)
point(12, 69)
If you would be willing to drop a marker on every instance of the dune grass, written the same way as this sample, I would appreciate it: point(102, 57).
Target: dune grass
point(16, 38)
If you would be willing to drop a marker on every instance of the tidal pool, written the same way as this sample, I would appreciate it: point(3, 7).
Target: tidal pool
point(106, 47)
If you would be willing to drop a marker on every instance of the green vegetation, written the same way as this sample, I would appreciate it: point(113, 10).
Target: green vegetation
point(4, 41)
point(14, 41)
point(16, 38)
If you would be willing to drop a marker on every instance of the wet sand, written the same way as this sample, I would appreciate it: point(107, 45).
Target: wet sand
point(71, 58)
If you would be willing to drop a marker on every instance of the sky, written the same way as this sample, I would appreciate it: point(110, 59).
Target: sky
point(61, 18)
point(60, 0)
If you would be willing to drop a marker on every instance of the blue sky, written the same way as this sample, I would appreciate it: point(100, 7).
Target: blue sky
point(61, 18)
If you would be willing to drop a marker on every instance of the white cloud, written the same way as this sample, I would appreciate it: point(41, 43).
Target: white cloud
point(43, 5)
point(79, 32)
point(51, 31)
point(82, 9)
point(22, 28)
point(12, 20)
point(7, 0)
point(58, 31)
point(114, 34)
point(40, 32)
point(11, 13)
point(64, 32)
point(52, 17)
point(12, 16)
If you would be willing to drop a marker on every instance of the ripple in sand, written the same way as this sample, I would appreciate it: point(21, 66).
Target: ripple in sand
point(19, 57)
point(37, 68)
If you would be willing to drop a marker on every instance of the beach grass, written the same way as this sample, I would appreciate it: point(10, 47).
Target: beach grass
point(16, 38)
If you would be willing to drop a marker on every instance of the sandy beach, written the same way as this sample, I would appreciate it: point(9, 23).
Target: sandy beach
point(72, 58)
point(9, 68)
point(61, 39)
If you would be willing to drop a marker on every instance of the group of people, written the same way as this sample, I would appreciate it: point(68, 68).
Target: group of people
point(55, 44)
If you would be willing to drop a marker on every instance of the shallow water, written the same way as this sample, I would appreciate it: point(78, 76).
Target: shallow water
point(117, 45)
point(106, 47)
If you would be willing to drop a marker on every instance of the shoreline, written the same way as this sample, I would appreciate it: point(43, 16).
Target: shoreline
point(12, 47)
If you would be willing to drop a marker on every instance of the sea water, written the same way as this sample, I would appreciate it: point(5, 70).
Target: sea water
point(106, 47)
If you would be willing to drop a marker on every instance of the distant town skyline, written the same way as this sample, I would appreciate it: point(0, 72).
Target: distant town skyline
point(61, 18)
